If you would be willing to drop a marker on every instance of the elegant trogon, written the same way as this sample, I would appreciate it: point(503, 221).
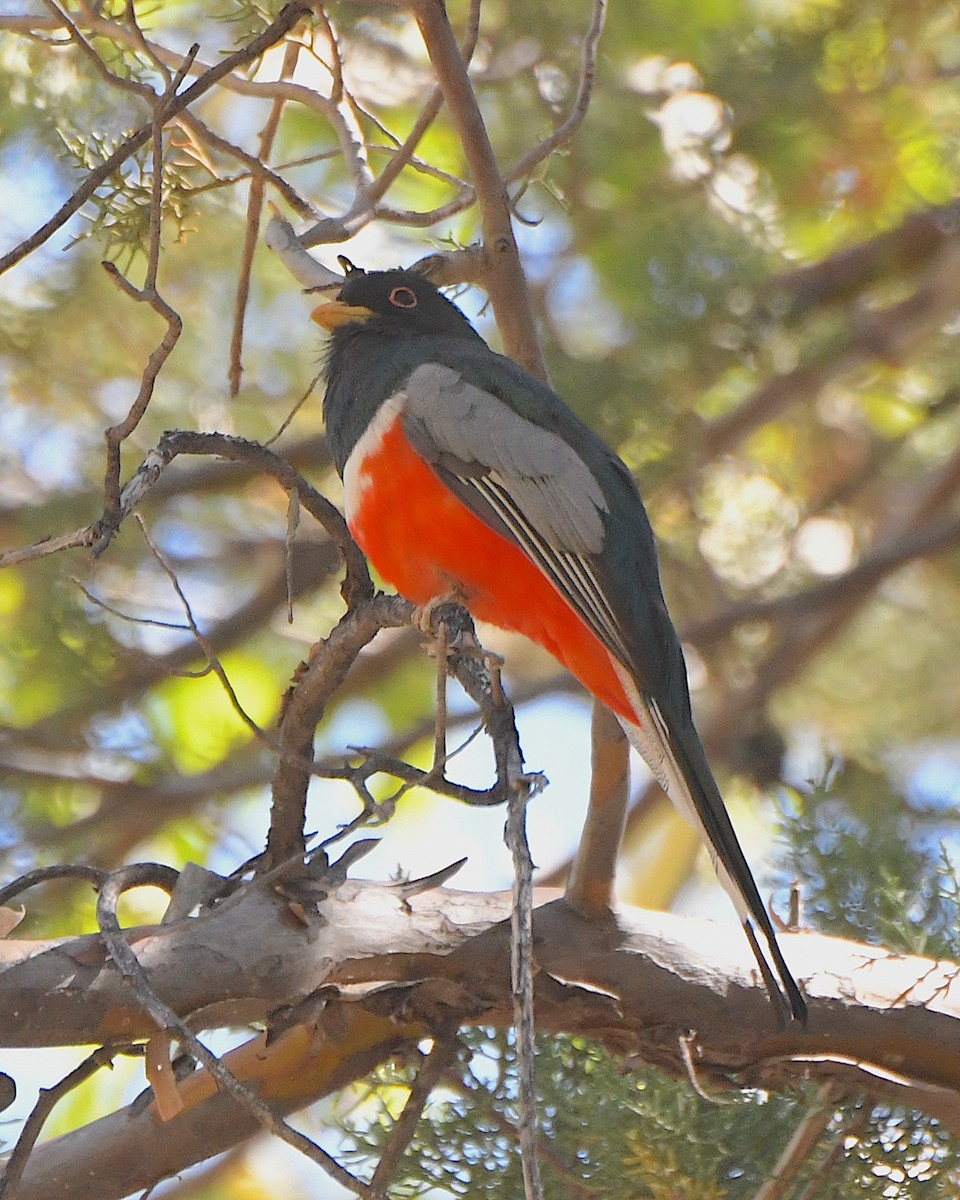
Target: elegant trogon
point(465, 475)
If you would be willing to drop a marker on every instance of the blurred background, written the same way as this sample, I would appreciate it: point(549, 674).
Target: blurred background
point(746, 270)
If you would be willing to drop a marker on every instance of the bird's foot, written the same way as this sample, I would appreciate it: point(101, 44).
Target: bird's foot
point(424, 614)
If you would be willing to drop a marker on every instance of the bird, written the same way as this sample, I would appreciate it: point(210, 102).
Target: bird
point(465, 476)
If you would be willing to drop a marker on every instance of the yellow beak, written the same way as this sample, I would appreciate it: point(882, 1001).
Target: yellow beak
point(335, 313)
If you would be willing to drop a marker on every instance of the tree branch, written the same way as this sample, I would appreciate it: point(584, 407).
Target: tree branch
point(503, 280)
point(889, 334)
point(289, 15)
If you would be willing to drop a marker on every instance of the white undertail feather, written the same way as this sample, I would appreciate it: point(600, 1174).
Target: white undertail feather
point(654, 748)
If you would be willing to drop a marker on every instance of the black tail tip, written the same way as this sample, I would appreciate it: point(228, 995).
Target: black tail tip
point(783, 989)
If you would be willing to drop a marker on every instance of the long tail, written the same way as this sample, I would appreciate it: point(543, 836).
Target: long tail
point(675, 755)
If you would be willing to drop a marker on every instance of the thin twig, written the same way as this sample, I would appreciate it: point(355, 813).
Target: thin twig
point(335, 66)
point(156, 181)
point(403, 153)
point(141, 43)
point(300, 204)
point(116, 434)
point(141, 90)
point(431, 1071)
point(687, 1043)
point(47, 1100)
point(521, 976)
point(581, 102)
point(153, 622)
point(214, 662)
point(357, 584)
point(254, 210)
point(471, 666)
point(148, 294)
point(800, 1146)
point(377, 762)
point(290, 540)
point(480, 677)
point(77, 540)
point(287, 18)
point(44, 874)
point(440, 717)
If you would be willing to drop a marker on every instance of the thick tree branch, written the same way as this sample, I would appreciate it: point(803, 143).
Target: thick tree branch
point(650, 978)
point(303, 711)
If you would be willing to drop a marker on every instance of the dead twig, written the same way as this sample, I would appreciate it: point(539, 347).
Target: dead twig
point(521, 979)
point(47, 1100)
point(322, 678)
point(357, 584)
point(201, 132)
point(367, 202)
point(254, 210)
point(44, 874)
point(800, 1146)
point(139, 89)
point(113, 514)
point(471, 666)
point(432, 1070)
point(149, 295)
point(213, 661)
point(581, 101)
point(481, 680)
point(376, 762)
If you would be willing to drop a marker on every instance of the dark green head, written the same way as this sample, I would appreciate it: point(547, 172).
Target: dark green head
point(384, 325)
point(393, 303)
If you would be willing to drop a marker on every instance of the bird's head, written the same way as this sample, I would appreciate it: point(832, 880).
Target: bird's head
point(392, 302)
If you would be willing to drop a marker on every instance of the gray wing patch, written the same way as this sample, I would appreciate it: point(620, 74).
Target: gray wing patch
point(523, 480)
point(476, 436)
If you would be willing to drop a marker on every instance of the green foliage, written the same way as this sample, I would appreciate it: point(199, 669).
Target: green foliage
point(660, 252)
point(120, 210)
point(610, 1132)
point(874, 865)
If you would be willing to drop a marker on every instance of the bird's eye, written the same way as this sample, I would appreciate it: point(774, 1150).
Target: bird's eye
point(403, 297)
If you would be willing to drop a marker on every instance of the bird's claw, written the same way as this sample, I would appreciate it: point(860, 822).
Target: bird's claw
point(423, 614)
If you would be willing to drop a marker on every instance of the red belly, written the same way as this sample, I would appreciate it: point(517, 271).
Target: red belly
point(425, 542)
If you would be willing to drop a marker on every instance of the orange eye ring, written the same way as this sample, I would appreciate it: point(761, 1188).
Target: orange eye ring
point(403, 297)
